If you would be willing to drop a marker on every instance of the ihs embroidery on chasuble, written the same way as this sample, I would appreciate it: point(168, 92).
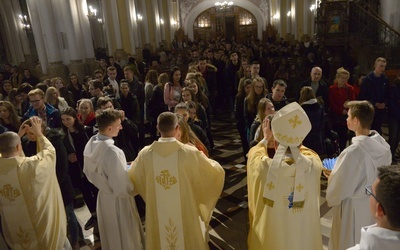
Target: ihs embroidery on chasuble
point(9, 192)
point(166, 180)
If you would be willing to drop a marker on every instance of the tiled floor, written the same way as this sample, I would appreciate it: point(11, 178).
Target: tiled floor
point(230, 218)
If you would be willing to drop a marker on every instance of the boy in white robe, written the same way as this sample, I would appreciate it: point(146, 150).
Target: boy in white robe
point(180, 186)
point(384, 205)
point(105, 166)
point(284, 191)
point(355, 168)
point(31, 205)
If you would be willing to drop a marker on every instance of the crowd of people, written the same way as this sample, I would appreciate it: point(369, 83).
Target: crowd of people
point(140, 128)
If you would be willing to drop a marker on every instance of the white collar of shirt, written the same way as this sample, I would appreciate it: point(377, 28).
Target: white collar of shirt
point(166, 139)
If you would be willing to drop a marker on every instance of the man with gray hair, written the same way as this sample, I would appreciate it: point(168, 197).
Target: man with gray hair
point(32, 209)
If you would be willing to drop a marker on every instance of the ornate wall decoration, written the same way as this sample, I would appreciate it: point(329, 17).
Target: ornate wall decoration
point(264, 7)
point(185, 7)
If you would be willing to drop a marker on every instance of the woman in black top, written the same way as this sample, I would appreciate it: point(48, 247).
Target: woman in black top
point(75, 140)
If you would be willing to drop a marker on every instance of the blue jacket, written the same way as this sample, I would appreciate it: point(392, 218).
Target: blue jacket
point(53, 116)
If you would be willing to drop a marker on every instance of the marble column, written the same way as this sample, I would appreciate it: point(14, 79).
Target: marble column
point(86, 35)
point(156, 28)
point(21, 33)
point(161, 16)
point(73, 52)
point(42, 68)
point(51, 40)
point(132, 27)
point(84, 24)
point(14, 41)
point(144, 22)
point(10, 52)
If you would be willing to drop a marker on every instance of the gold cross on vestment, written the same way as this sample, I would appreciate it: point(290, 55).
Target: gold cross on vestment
point(270, 185)
point(295, 122)
point(299, 187)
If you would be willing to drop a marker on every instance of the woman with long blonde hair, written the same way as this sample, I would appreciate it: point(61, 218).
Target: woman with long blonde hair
point(187, 136)
point(257, 91)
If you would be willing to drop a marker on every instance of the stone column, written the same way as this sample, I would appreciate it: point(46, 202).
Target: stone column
point(156, 29)
point(42, 68)
point(161, 15)
point(131, 14)
point(71, 35)
point(12, 22)
point(51, 40)
point(86, 35)
point(144, 22)
point(23, 38)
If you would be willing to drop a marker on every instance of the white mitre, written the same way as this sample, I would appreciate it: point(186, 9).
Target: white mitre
point(290, 126)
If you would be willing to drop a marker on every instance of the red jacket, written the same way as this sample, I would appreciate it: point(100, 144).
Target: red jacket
point(338, 96)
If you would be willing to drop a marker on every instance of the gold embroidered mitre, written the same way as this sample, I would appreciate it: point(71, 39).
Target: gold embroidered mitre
point(290, 126)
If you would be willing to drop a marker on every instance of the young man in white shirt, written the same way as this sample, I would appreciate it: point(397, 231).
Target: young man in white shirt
point(384, 204)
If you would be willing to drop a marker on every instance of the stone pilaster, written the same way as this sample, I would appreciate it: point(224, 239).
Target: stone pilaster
point(92, 65)
point(58, 69)
point(79, 68)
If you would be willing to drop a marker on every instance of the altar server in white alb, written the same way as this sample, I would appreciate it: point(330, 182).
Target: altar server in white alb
point(180, 186)
point(284, 191)
point(355, 169)
point(105, 166)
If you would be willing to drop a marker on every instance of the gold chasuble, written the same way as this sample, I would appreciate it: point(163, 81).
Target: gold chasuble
point(31, 205)
point(284, 191)
point(168, 200)
point(180, 186)
point(13, 201)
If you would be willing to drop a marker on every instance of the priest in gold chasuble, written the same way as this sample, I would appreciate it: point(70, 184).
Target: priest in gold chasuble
point(180, 186)
point(283, 192)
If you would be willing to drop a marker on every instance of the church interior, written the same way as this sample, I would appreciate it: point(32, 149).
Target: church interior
point(56, 38)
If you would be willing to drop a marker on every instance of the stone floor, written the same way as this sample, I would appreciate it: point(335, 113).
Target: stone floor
point(230, 219)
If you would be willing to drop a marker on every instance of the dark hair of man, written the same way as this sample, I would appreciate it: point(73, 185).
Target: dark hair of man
point(9, 140)
point(107, 117)
point(388, 193)
point(363, 110)
point(103, 101)
point(111, 68)
point(255, 62)
point(24, 88)
point(97, 84)
point(167, 122)
point(279, 82)
point(98, 72)
point(203, 58)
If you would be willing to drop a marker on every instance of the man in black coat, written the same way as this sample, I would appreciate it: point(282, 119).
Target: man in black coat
point(319, 86)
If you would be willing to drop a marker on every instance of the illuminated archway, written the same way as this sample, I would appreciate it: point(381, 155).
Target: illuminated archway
point(191, 17)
